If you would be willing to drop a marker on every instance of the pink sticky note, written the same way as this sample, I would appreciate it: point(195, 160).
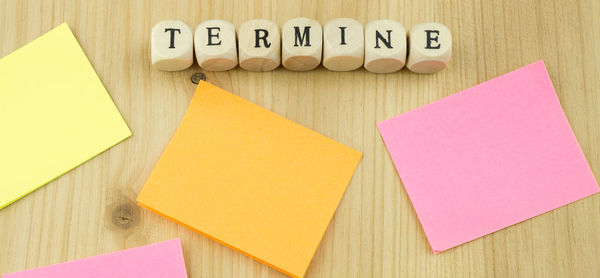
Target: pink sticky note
point(163, 259)
point(488, 157)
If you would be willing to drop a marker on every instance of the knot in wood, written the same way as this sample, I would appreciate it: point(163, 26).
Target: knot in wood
point(125, 216)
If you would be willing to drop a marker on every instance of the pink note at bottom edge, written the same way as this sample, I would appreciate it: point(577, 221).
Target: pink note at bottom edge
point(163, 259)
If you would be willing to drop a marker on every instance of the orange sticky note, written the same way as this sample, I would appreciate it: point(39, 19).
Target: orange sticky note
point(250, 179)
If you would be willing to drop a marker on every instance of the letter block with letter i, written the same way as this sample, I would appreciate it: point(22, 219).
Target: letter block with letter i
point(343, 44)
point(430, 47)
point(259, 46)
point(215, 45)
point(172, 45)
point(301, 44)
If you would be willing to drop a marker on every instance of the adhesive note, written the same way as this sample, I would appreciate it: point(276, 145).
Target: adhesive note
point(488, 157)
point(158, 260)
point(54, 113)
point(250, 179)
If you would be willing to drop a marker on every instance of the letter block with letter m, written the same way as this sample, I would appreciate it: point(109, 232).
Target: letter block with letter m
point(302, 44)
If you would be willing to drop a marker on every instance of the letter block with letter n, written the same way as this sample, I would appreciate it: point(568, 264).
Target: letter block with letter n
point(172, 45)
point(385, 46)
point(215, 45)
point(430, 47)
point(343, 44)
point(259, 46)
point(302, 44)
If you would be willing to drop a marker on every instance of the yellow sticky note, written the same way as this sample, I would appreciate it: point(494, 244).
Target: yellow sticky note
point(54, 113)
point(250, 179)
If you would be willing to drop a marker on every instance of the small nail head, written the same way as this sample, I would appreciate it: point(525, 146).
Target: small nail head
point(197, 77)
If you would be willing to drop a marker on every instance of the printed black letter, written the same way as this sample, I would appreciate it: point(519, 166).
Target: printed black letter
point(298, 37)
point(211, 35)
point(258, 37)
point(343, 33)
point(172, 30)
point(388, 42)
point(430, 39)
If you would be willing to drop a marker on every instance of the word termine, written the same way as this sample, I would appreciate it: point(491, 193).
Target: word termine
point(302, 44)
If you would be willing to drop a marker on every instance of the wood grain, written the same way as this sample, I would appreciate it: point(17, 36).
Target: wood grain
point(375, 232)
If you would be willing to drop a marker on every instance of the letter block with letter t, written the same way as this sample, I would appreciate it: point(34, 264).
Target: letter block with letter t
point(343, 44)
point(172, 45)
point(259, 46)
point(385, 46)
point(301, 44)
point(215, 45)
point(430, 47)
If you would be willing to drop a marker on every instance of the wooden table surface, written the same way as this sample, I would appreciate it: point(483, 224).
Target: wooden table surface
point(375, 232)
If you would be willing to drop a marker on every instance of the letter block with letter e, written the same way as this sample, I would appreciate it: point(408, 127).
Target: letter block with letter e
point(302, 44)
point(385, 46)
point(215, 45)
point(259, 46)
point(343, 44)
point(430, 47)
point(172, 45)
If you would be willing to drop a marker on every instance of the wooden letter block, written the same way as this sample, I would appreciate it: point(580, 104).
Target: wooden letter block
point(343, 45)
point(259, 45)
point(172, 45)
point(215, 45)
point(302, 44)
point(430, 47)
point(385, 46)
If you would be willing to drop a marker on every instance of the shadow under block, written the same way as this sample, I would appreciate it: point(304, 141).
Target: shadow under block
point(259, 45)
point(253, 180)
point(301, 44)
point(430, 47)
point(215, 45)
point(343, 45)
point(172, 45)
point(385, 46)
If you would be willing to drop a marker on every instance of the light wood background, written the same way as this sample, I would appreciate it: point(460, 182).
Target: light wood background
point(375, 232)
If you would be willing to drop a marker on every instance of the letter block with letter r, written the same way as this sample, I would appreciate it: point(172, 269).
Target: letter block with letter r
point(301, 44)
point(385, 46)
point(215, 45)
point(430, 47)
point(259, 46)
point(172, 45)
